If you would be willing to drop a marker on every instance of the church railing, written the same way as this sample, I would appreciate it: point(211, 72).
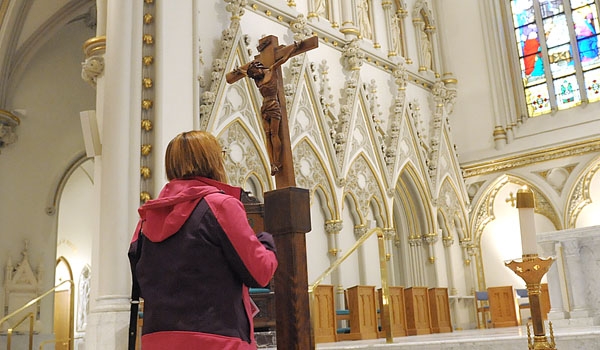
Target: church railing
point(30, 316)
point(386, 320)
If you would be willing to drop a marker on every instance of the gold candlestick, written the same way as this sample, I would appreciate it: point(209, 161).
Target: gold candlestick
point(531, 269)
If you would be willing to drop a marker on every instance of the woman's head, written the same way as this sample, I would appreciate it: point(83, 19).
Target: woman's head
point(194, 153)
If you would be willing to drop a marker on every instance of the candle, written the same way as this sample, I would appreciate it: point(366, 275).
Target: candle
point(526, 205)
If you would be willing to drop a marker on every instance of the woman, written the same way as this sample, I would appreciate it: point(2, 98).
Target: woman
point(194, 255)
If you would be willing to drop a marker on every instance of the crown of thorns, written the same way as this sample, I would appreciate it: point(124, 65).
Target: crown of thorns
point(256, 65)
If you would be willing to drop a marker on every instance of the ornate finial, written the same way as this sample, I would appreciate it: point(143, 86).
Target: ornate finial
point(236, 8)
point(299, 28)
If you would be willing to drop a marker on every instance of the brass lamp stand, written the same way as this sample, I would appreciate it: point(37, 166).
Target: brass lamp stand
point(531, 269)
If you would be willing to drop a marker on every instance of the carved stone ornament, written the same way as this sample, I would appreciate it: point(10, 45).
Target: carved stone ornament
point(8, 126)
point(91, 69)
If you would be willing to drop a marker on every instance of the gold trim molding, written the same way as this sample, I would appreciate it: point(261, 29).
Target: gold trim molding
point(94, 46)
point(521, 160)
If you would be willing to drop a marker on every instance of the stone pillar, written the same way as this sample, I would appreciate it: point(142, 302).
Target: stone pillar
point(348, 28)
point(333, 228)
point(116, 177)
point(359, 231)
point(389, 234)
point(176, 100)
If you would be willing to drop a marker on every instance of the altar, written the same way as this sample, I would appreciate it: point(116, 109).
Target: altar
point(574, 278)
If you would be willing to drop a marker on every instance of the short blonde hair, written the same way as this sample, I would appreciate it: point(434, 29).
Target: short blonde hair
point(195, 153)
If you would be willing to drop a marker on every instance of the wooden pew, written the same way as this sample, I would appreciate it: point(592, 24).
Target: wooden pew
point(439, 307)
point(397, 311)
point(324, 319)
point(417, 311)
point(503, 307)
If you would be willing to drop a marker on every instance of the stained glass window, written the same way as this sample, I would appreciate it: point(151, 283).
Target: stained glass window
point(557, 43)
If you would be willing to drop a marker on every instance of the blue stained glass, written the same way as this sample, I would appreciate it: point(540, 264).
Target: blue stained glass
point(567, 92)
point(585, 23)
point(538, 101)
point(532, 65)
point(522, 12)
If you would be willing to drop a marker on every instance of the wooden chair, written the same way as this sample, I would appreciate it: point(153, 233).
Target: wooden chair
point(417, 311)
point(324, 319)
point(482, 308)
point(342, 316)
point(503, 307)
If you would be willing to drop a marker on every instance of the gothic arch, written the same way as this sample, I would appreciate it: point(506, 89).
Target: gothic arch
point(484, 206)
point(449, 197)
point(244, 156)
point(416, 198)
point(580, 195)
point(362, 181)
point(484, 213)
point(311, 173)
point(77, 161)
point(353, 207)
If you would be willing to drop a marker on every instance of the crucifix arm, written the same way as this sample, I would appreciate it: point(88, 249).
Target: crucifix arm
point(283, 53)
point(237, 74)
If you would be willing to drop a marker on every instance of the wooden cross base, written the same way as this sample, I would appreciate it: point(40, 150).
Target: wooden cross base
point(287, 217)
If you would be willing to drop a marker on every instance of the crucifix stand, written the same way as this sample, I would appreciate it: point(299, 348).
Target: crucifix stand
point(287, 209)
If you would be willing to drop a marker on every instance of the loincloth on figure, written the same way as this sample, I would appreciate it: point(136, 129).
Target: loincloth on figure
point(270, 109)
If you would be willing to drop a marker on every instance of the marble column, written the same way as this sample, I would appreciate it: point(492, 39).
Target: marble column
point(557, 287)
point(577, 291)
point(117, 180)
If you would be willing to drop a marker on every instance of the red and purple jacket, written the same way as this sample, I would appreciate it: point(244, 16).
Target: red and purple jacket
point(198, 258)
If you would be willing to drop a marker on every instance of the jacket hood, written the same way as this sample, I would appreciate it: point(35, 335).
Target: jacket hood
point(163, 217)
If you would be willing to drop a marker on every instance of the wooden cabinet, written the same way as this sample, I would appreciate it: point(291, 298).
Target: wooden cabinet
point(417, 311)
point(324, 319)
point(439, 308)
point(397, 311)
point(363, 312)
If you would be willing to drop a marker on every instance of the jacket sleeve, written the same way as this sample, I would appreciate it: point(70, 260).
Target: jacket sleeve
point(252, 257)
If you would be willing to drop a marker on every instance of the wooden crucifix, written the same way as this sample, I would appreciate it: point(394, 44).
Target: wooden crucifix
point(286, 209)
point(265, 70)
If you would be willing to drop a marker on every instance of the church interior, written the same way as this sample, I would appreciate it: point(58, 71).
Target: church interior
point(414, 125)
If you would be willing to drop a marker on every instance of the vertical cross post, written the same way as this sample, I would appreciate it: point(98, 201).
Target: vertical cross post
point(287, 209)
